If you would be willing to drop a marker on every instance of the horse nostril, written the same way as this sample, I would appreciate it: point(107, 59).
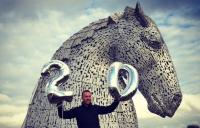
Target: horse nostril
point(177, 98)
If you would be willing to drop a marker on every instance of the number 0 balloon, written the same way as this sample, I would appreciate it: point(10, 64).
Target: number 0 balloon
point(131, 82)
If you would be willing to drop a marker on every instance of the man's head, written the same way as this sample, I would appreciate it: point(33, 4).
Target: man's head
point(86, 97)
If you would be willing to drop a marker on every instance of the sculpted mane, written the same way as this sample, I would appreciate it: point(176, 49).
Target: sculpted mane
point(84, 34)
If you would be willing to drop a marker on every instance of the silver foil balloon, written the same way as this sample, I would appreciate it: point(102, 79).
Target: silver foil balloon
point(53, 93)
point(131, 81)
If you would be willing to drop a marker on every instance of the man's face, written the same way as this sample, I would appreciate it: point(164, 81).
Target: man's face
point(87, 97)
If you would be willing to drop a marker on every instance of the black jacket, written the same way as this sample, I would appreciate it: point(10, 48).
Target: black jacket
point(87, 116)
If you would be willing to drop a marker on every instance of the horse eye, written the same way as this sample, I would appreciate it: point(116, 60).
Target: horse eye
point(154, 44)
point(151, 43)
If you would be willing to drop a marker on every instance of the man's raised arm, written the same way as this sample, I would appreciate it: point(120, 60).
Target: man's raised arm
point(68, 114)
point(107, 109)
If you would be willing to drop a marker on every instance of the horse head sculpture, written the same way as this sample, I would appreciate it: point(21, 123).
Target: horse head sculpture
point(140, 44)
point(131, 38)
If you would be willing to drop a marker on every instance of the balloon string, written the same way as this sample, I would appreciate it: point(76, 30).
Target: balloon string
point(62, 116)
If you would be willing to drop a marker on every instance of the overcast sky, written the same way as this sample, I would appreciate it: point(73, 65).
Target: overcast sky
point(31, 32)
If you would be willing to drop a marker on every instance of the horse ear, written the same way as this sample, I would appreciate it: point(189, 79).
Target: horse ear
point(138, 9)
point(110, 21)
point(140, 15)
point(128, 13)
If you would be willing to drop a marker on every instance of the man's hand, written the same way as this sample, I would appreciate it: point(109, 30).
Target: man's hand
point(68, 99)
point(130, 80)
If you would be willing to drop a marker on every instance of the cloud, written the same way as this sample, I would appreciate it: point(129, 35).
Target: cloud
point(4, 98)
point(12, 114)
point(26, 46)
point(25, 9)
point(30, 44)
point(141, 107)
point(14, 121)
point(184, 8)
point(11, 110)
point(189, 105)
point(187, 113)
point(31, 31)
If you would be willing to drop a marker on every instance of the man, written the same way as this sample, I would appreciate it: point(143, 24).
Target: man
point(86, 114)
